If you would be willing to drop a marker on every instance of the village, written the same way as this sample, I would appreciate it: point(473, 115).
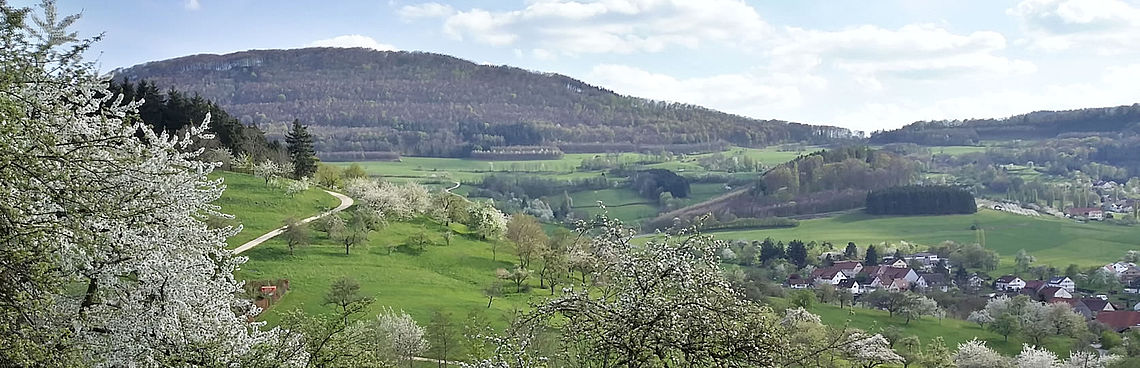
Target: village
point(927, 272)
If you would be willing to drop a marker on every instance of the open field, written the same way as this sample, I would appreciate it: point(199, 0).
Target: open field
point(956, 150)
point(446, 278)
point(1054, 241)
point(261, 209)
point(434, 168)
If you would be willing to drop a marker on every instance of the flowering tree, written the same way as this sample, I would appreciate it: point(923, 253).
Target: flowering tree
point(980, 317)
point(389, 200)
point(107, 258)
point(487, 221)
point(267, 170)
point(662, 303)
point(871, 350)
point(398, 335)
point(975, 354)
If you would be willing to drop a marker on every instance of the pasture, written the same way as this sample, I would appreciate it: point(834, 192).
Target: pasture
point(260, 208)
point(449, 278)
point(1053, 241)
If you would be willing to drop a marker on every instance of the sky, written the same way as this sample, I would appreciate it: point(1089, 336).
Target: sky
point(866, 65)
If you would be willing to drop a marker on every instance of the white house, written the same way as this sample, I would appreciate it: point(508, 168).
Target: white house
point(1009, 283)
point(1062, 282)
point(850, 285)
point(830, 275)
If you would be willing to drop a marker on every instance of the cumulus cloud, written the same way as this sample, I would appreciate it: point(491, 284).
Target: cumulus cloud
point(753, 93)
point(606, 26)
point(1105, 26)
point(193, 5)
point(917, 51)
point(353, 40)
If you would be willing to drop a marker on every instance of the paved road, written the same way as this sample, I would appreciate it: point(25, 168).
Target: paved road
point(345, 202)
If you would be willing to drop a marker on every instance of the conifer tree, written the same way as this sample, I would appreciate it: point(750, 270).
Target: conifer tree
point(301, 150)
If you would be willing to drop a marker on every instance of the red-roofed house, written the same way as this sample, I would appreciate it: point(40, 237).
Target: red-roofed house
point(1120, 321)
point(1089, 213)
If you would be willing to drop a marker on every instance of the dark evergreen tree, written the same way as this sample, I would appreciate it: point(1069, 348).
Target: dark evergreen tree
point(872, 257)
point(851, 251)
point(769, 250)
point(797, 253)
point(300, 147)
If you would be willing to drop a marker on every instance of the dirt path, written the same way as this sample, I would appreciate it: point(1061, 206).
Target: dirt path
point(345, 202)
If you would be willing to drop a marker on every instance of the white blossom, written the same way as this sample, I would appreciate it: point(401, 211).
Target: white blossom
point(975, 354)
point(871, 350)
point(1034, 357)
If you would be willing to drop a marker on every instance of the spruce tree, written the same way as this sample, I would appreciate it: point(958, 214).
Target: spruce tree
point(301, 150)
point(872, 257)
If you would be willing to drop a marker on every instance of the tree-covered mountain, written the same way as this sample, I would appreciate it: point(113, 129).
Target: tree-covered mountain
point(1114, 121)
point(431, 104)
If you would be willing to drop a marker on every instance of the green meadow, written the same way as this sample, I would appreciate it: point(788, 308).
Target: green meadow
point(1054, 241)
point(260, 208)
point(448, 278)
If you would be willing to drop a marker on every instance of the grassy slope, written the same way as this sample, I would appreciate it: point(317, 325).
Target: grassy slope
point(1053, 241)
point(447, 278)
point(261, 209)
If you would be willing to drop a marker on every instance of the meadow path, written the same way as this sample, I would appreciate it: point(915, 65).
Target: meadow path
point(345, 202)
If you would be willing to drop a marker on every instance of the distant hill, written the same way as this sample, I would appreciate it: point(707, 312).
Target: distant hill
point(431, 104)
point(1120, 120)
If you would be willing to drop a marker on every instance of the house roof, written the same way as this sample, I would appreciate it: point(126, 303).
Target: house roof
point(1095, 304)
point(847, 265)
point(935, 279)
point(894, 273)
point(1034, 284)
point(1007, 279)
point(826, 273)
point(1119, 320)
point(1049, 292)
point(1082, 211)
point(847, 283)
point(798, 281)
point(1057, 279)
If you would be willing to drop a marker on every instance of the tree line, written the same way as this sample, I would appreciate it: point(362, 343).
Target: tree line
point(920, 200)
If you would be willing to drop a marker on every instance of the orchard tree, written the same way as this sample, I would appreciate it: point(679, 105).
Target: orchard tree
point(492, 291)
point(108, 260)
point(267, 170)
point(300, 147)
point(296, 234)
point(529, 238)
point(442, 336)
point(344, 293)
point(975, 354)
point(397, 335)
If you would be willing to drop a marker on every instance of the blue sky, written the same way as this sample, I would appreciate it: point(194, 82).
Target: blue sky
point(865, 65)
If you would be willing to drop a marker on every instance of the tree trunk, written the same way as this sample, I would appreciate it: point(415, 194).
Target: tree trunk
point(489, 300)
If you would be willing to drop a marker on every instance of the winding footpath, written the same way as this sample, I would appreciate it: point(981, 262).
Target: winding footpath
point(345, 202)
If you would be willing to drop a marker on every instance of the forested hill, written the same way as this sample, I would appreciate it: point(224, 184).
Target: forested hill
point(1120, 120)
point(431, 104)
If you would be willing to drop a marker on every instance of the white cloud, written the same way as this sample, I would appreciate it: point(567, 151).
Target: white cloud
point(193, 5)
point(750, 93)
point(425, 10)
point(352, 40)
point(918, 51)
point(1105, 26)
point(601, 26)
